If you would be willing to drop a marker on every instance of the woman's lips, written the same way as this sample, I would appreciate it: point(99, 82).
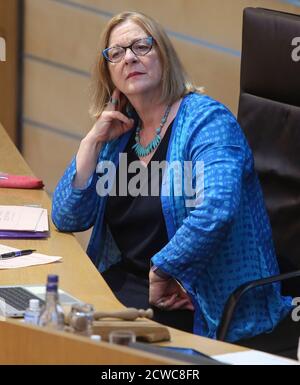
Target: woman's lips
point(132, 74)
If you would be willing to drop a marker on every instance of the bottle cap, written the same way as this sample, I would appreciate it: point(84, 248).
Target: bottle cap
point(52, 278)
point(34, 304)
point(95, 337)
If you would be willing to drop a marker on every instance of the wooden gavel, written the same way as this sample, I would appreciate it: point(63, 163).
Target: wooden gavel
point(129, 314)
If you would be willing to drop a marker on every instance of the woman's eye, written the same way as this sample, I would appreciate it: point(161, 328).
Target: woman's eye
point(141, 47)
point(114, 54)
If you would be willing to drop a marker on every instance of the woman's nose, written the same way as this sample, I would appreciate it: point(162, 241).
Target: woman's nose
point(129, 56)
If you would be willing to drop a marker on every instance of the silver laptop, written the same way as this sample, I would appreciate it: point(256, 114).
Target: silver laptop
point(14, 299)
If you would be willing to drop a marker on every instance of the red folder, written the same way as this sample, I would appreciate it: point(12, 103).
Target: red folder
point(20, 181)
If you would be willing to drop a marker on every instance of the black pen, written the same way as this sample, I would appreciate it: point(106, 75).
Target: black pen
point(14, 254)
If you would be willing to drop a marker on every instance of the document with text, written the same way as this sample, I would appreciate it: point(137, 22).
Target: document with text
point(23, 221)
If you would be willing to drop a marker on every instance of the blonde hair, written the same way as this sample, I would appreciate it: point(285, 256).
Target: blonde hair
point(175, 83)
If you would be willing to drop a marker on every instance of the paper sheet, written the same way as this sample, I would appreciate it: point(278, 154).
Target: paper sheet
point(25, 260)
point(23, 218)
point(254, 357)
point(43, 224)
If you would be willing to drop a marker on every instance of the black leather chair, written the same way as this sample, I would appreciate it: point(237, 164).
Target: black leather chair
point(269, 114)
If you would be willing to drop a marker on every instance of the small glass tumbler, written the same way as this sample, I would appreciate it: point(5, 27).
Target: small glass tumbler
point(121, 337)
point(81, 318)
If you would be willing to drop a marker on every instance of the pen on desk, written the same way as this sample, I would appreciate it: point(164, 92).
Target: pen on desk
point(13, 254)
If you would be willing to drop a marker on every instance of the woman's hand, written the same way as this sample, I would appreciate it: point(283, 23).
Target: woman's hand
point(112, 123)
point(168, 294)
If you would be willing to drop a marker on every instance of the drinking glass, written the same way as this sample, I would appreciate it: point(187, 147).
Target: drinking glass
point(81, 318)
point(121, 337)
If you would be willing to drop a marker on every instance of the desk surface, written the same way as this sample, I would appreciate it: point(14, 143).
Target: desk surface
point(77, 273)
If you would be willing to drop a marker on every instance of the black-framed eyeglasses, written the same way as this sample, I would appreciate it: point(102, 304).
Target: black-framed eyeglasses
point(139, 47)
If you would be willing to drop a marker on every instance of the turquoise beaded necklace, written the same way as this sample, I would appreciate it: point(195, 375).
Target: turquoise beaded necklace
point(142, 151)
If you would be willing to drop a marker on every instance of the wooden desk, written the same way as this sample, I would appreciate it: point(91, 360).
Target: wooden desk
point(77, 273)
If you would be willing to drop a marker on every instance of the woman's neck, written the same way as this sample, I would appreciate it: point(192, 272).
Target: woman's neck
point(149, 109)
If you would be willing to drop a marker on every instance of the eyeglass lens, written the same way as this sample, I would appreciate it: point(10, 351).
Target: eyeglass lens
point(140, 48)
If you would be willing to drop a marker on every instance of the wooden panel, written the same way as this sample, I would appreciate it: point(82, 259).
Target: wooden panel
point(24, 344)
point(62, 34)
point(217, 72)
point(9, 69)
point(47, 154)
point(218, 22)
point(11, 161)
point(56, 97)
point(78, 46)
point(2, 49)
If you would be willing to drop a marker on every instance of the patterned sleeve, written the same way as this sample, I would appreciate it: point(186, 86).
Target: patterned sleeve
point(217, 140)
point(74, 209)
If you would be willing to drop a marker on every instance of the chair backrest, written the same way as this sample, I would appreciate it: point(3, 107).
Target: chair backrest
point(269, 113)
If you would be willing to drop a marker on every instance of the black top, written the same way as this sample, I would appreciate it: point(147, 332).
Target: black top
point(136, 222)
point(138, 228)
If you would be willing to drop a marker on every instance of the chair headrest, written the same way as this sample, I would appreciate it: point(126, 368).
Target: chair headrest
point(268, 68)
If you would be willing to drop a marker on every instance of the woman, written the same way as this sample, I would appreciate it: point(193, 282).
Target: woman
point(147, 111)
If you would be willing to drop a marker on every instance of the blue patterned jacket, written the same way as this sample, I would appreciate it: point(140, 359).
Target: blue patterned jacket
point(214, 247)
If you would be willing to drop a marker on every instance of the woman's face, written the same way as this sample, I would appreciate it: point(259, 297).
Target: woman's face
point(134, 75)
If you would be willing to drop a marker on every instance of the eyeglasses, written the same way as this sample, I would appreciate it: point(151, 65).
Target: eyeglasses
point(140, 48)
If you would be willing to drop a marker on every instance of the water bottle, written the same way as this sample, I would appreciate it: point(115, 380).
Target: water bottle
point(53, 278)
point(32, 313)
point(52, 315)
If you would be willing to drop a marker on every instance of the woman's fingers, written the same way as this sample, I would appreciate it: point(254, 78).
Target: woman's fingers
point(165, 302)
point(175, 302)
point(114, 101)
point(169, 302)
point(117, 115)
point(189, 304)
point(182, 304)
